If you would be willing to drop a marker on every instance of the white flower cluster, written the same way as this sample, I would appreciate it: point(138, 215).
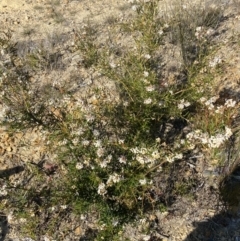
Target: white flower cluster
point(122, 159)
point(143, 181)
point(102, 189)
point(79, 166)
point(147, 56)
point(147, 101)
point(144, 156)
point(209, 103)
point(172, 158)
point(145, 74)
point(229, 103)
point(114, 178)
point(3, 191)
point(215, 62)
point(202, 33)
point(211, 141)
point(150, 88)
point(104, 163)
point(183, 104)
point(3, 111)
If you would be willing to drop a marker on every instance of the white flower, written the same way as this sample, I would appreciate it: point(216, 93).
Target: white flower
point(147, 101)
point(209, 103)
point(216, 141)
point(120, 141)
point(143, 151)
point(96, 133)
point(219, 110)
point(103, 164)
point(169, 159)
point(204, 138)
point(198, 29)
point(183, 104)
point(158, 140)
point(166, 25)
point(145, 81)
point(146, 237)
point(107, 160)
point(228, 132)
point(3, 112)
point(142, 220)
point(210, 31)
point(87, 162)
point(85, 142)
point(79, 166)
point(22, 220)
point(102, 189)
point(178, 156)
point(134, 150)
point(10, 217)
point(63, 142)
point(155, 154)
point(29, 239)
point(161, 103)
point(184, 6)
point(122, 159)
point(147, 56)
point(90, 118)
point(211, 100)
point(125, 103)
point(83, 217)
point(230, 103)
point(79, 131)
point(47, 239)
point(112, 65)
point(140, 159)
point(202, 99)
point(199, 34)
point(63, 206)
point(143, 181)
point(75, 141)
point(100, 151)
point(97, 143)
point(150, 162)
point(216, 61)
point(160, 32)
point(145, 74)
point(115, 178)
point(134, 7)
point(150, 88)
point(3, 191)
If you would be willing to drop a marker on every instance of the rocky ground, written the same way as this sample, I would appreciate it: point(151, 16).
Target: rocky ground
point(52, 25)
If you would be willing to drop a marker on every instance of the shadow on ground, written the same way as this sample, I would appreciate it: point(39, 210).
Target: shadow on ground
point(3, 226)
point(222, 227)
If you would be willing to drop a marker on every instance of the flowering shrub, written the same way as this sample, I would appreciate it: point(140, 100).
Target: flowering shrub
point(112, 148)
